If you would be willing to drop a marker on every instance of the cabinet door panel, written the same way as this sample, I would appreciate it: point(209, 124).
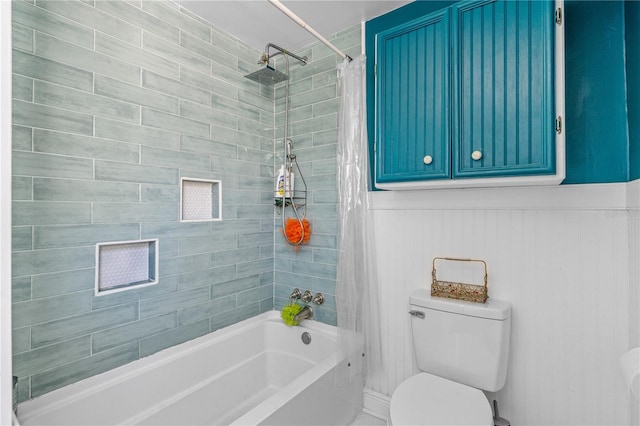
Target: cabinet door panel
point(412, 101)
point(503, 82)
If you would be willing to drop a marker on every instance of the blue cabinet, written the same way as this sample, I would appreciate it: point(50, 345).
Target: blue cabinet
point(412, 86)
point(467, 94)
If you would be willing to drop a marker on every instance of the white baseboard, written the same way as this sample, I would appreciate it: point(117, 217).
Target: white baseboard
point(376, 404)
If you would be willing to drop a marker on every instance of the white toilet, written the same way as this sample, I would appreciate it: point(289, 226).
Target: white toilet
point(462, 348)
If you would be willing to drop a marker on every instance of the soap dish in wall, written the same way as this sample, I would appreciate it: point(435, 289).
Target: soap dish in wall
point(125, 265)
point(200, 200)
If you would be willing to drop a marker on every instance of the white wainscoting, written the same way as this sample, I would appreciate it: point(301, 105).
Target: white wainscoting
point(634, 279)
point(566, 258)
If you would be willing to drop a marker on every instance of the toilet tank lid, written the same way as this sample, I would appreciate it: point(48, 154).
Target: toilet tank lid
point(492, 309)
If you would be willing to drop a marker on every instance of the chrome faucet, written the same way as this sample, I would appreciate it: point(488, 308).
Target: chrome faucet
point(305, 313)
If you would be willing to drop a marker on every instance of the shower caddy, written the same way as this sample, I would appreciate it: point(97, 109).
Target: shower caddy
point(286, 193)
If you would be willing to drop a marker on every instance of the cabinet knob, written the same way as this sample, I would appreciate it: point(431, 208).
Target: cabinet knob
point(476, 155)
point(427, 159)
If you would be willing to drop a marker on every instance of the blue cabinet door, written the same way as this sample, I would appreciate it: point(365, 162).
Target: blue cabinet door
point(412, 100)
point(502, 67)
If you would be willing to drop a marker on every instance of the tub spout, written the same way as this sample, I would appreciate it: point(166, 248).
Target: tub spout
point(305, 313)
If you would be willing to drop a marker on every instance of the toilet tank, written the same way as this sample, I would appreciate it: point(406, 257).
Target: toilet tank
point(462, 341)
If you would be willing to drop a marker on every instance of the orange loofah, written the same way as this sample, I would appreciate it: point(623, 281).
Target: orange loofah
point(294, 232)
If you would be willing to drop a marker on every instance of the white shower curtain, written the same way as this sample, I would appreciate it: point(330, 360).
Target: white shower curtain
point(356, 287)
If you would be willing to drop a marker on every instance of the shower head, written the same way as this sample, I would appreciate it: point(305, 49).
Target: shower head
point(267, 76)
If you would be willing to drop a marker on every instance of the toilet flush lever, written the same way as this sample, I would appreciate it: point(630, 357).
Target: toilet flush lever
point(418, 314)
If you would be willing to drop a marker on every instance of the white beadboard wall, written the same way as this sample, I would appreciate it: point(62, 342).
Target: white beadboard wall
point(634, 279)
point(566, 258)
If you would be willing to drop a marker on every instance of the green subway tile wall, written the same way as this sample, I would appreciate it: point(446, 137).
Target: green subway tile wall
point(313, 121)
point(115, 101)
point(109, 113)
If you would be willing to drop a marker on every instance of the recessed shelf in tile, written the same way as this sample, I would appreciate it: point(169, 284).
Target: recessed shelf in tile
point(200, 200)
point(125, 265)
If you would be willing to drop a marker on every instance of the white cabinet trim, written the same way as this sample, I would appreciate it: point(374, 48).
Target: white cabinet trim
point(604, 196)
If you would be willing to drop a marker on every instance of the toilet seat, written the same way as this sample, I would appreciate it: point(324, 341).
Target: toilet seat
point(425, 399)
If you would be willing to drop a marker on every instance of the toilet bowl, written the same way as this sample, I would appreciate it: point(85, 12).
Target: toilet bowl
point(425, 399)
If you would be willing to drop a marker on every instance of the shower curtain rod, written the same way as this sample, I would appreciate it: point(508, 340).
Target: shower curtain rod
point(304, 25)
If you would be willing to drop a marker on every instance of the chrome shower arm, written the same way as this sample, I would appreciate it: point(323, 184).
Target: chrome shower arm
point(281, 51)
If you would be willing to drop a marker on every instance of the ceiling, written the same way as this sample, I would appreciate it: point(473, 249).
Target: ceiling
point(257, 22)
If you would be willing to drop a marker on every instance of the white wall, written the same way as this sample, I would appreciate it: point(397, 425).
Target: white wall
point(634, 279)
point(559, 255)
point(5, 213)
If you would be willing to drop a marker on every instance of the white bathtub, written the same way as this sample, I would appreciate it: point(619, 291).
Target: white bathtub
point(256, 372)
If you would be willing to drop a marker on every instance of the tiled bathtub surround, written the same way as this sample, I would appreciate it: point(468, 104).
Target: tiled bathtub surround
point(313, 118)
point(114, 102)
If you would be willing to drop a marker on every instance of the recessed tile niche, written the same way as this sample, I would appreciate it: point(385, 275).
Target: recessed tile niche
point(200, 200)
point(126, 265)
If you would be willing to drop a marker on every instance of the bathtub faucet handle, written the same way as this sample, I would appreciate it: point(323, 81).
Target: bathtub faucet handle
point(295, 295)
point(307, 296)
point(318, 299)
